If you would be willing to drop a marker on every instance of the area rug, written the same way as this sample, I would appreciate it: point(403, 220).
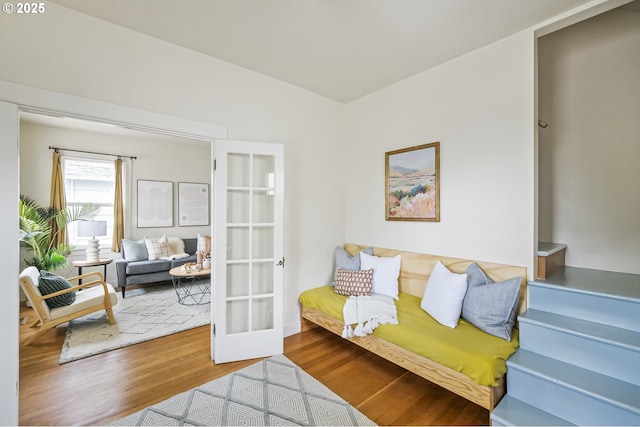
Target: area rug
point(274, 391)
point(146, 313)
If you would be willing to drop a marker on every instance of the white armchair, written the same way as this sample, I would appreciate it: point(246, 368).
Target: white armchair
point(96, 295)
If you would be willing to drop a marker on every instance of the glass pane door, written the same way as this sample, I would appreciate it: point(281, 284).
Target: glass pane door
point(250, 284)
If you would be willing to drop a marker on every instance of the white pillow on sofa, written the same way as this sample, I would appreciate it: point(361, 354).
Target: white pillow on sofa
point(386, 271)
point(176, 244)
point(444, 295)
point(157, 248)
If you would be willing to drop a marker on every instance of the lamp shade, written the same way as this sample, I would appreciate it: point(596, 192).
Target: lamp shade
point(92, 228)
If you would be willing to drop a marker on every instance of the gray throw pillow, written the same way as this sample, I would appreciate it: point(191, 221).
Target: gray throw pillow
point(134, 251)
point(49, 283)
point(346, 261)
point(491, 306)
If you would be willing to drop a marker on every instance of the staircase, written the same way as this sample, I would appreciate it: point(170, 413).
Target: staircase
point(579, 356)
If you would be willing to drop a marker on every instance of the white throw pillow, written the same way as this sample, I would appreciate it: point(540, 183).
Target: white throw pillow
point(177, 245)
point(157, 248)
point(386, 271)
point(444, 295)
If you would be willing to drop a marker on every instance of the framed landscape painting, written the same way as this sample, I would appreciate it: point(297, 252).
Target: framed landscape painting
point(412, 183)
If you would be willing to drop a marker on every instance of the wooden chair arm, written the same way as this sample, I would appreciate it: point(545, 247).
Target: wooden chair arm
point(93, 283)
point(78, 287)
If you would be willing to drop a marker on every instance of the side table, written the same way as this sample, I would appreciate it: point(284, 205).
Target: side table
point(190, 287)
point(84, 263)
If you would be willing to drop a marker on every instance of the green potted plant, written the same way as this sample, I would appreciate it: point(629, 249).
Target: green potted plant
point(36, 232)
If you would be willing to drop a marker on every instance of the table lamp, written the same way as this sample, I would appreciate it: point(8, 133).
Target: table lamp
point(92, 229)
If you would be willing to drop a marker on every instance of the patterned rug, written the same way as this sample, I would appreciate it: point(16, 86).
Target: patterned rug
point(146, 313)
point(272, 392)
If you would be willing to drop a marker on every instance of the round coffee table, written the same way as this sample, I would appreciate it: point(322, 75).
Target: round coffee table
point(192, 286)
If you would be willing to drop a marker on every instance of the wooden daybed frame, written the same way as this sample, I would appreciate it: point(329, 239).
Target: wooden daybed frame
point(414, 274)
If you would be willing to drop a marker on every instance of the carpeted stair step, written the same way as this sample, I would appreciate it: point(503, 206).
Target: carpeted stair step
point(577, 395)
point(514, 412)
point(604, 297)
point(600, 348)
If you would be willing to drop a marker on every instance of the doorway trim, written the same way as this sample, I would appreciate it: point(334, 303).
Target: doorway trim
point(556, 23)
point(57, 104)
point(42, 101)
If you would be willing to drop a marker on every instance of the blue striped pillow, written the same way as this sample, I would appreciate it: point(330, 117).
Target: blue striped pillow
point(49, 283)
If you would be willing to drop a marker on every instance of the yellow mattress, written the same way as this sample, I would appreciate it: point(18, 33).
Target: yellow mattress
point(467, 349)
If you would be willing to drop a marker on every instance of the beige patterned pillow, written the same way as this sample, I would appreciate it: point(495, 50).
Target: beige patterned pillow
point(354, 282)
point(157, 248)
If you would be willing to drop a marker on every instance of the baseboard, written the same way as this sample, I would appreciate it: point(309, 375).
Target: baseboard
point(291, 328)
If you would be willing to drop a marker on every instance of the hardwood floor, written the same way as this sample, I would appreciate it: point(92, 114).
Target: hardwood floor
point(105, 387)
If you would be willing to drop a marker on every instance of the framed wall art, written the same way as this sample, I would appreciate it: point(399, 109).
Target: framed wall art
point(412, 183)
point(155, 203)
point(193, 204)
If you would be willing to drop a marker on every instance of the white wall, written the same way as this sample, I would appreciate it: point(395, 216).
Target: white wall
point(589, 76)
point(480, 107)
point(9, 258)
point(115, 65)
point(159, 157)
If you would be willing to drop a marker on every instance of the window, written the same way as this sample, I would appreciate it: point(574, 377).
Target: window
point(90, 181)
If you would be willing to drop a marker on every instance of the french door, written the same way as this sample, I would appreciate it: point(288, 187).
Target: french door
point(248, 183)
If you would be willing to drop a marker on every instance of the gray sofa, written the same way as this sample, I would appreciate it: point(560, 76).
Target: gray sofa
point(151, 271)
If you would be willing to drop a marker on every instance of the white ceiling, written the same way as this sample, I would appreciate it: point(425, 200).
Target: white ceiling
point(341, 49)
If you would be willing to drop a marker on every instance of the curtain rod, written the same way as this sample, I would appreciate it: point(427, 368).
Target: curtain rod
point(91, 152)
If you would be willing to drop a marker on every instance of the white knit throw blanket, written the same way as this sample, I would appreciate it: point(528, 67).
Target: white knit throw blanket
point(367, 312)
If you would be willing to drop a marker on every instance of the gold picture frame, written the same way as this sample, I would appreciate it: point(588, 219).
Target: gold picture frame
point(412, 183)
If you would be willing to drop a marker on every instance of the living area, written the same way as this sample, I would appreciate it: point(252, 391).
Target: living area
point(154, 242)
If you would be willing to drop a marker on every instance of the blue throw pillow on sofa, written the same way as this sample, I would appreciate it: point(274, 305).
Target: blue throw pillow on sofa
point(491, 306)
point(49, 283)
point(134, 251)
